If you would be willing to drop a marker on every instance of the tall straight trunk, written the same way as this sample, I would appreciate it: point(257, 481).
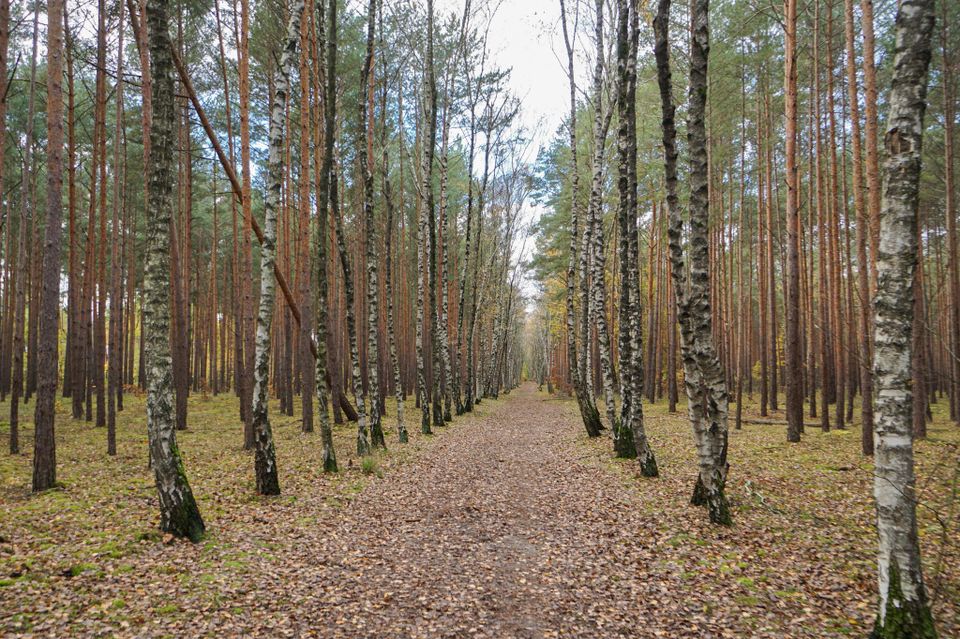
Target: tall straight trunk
point(75, 285)
point(919, 362)
point(597, 247)
point(772, 203)
point(326, 20)
point(306, 365)
point(402, 435)
point(44, 443)
point(113, 373)
point(630, 439)
point(426, 240)
point(793, 346)
point(236, 309)
point(372, 255)
point(4, 82)
point(903, 609)
point(179, 514)
point(363, 440)
point(265, 460)
point(19, 279)
point(215, 309)
point(444, 245)
point(863, 224)
point(703, 376)
point(816, 173)
point(871, 134)
point(100, 273)
point(950, 212)
point(588, 411)
point(430, 121)
point(246, 253)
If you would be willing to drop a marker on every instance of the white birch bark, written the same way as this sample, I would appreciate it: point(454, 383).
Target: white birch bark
point(179, 514)
point(903, 609)
point(264, 453)
point(703, 376)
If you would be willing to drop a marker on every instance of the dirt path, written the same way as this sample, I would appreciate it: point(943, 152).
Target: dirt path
point(496, 531)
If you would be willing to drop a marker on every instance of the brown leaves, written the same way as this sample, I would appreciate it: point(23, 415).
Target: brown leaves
point(507, 523)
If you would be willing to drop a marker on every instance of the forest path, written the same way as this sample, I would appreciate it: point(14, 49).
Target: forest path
point(504, 527)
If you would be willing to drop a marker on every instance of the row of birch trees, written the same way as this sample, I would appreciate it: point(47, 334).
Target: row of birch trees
point(792, 243)
point(296, 202)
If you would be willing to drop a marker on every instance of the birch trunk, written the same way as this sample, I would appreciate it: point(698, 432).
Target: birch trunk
point(363, 440)
point(365, 149)
point(903, 607)
point(323, 221)
point(703, 376)
point(588, 411)
point(629, 435)
point(598, 292)
point(264, 453)
point(179, 514)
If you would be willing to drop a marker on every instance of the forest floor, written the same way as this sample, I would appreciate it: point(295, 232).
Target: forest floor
point(507, 523)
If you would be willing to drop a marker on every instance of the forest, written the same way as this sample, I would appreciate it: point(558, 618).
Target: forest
point(341, 318)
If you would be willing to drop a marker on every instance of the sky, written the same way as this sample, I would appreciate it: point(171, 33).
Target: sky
point(525, 36)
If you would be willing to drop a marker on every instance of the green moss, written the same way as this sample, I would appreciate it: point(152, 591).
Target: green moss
point(623, 445)
point(167, 609)
point(904, 619)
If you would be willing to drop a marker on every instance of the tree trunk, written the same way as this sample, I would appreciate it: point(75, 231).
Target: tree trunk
point(265, 454)
point(19, 279)
point(323, 221)
point(588, 411)
point(630, 439)
point(793, 346)
point(903, 609)
point(44, 447)
point(179, 514)
point(862, 216)
point(365, 152)
point(703, 376)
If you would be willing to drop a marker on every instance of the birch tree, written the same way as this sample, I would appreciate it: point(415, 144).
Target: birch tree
point(704, 380)
point(179, 514)
point(320, 233)
point(903, 609)
point(265, 457)
point(365, 150)
point(588, 410)
point(630, 438)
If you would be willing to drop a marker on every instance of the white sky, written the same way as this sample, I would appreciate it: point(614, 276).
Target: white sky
point(525, 37)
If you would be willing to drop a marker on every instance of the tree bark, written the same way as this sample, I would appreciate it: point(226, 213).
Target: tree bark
point(265, 455)
point(179, 514)
point(903, 609)
point(703, 376)
point(588, 410)
point(630, 439)
point(323, 220)
point(793, 346)
point(44, 448)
